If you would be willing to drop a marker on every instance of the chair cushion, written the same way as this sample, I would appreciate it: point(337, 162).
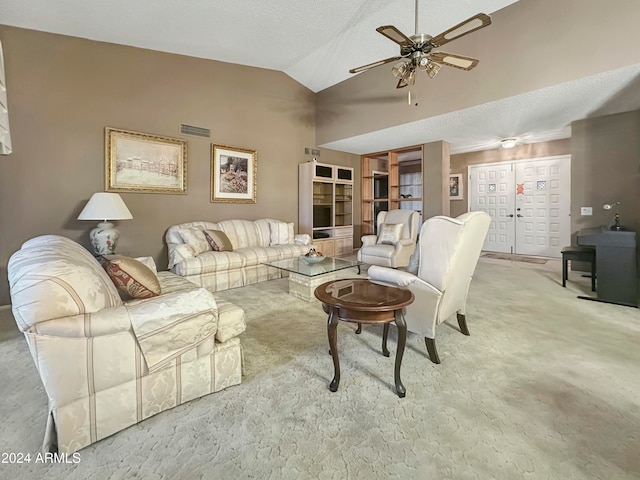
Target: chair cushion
point(389, 233)
point(218, 240)
point(132, 278)
point(379, 250)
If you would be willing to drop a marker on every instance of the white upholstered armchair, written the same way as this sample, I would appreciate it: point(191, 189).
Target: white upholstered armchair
point(395, 242)
point(449, 249)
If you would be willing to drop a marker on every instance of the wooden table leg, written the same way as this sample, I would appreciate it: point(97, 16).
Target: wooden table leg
point(402, 339)
point(385, 335)
point(332, 332)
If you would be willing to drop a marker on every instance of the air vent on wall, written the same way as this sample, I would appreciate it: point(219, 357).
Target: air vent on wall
point(195, 131)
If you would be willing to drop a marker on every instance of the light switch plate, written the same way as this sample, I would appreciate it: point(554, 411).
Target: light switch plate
point(586, 211)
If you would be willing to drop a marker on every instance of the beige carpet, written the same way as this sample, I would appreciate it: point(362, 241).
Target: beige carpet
point(546, 387)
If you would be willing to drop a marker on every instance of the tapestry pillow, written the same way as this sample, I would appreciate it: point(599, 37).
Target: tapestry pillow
point(281, 233)
point(389, 233)
point(218, 240)
point(194, 237)
point(132, 278)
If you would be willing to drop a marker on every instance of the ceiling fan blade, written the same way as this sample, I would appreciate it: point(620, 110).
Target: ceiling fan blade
point(374, 64)
point(472, 24)
point(452, 60)
point(392, 33)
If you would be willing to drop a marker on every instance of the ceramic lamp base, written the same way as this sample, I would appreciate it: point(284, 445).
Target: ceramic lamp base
point(104, 238)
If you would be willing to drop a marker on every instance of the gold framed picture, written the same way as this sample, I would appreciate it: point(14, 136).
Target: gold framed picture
point(233, 174)
point(144, 163)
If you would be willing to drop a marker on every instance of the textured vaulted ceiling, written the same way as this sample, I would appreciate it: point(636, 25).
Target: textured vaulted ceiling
point(316, 42)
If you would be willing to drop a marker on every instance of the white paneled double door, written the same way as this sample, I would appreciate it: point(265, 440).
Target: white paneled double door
point(529, 202)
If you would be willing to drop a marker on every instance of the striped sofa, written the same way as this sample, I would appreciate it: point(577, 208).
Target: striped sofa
point(252, 246)
point(107, 364)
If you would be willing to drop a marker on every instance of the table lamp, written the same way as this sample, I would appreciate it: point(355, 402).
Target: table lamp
point(104, 206)
point(615, 225)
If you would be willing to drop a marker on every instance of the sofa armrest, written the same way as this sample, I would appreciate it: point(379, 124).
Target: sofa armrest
point(107, 321)
point(369, 240)
point(302, 239)
point(178, 252)
point(168, 325)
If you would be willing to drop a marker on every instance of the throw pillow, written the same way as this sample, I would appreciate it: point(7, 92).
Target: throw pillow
point(195, 239)
point(389, 233)
point(132, 278)
point(218, 240)
point(281, 233)
point(149, 262)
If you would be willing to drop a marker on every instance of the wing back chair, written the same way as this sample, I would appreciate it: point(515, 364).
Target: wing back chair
point(449, 250)
point(391, 252)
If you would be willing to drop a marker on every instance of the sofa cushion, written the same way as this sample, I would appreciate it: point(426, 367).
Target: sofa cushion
point(209, 262)
point(242, 233)
point(194, 237)
point(132, 278)
point(218, 240)
point(281, 233)
point(257, 255)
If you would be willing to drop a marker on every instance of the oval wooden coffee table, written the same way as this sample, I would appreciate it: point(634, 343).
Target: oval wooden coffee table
point(361, 301)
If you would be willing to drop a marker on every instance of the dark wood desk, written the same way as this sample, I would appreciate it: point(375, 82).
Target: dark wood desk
point(361, 301)
point(616, 278)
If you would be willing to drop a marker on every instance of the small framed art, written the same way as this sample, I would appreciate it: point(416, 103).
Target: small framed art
point(233, 174)
point(456, 187)
point(144, 163)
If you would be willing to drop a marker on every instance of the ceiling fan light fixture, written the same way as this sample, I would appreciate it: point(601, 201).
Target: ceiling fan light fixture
point(508, 142)
point(399, 70)
point(432, 69)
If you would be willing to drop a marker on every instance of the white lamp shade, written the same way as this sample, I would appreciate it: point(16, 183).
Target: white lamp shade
point(105, 206)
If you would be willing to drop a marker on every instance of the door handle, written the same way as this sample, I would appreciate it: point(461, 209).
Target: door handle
point(510, 215)
point(518, 215)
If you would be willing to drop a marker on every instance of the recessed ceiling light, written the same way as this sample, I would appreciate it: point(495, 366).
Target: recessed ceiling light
point(508, 142)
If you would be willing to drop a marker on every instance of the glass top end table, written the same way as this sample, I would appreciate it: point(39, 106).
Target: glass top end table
point(305, 277)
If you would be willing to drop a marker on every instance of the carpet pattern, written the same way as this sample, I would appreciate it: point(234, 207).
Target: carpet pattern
point(546, 387)
point(515, 258)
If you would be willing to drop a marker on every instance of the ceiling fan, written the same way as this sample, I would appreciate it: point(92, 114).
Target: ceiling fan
point(416, 52)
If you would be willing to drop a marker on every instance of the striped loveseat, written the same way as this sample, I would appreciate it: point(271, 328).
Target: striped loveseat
point(253, 243)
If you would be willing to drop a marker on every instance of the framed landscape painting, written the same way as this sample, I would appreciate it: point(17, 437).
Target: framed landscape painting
point(233, 174)
point(455, 187)
point(144, 163)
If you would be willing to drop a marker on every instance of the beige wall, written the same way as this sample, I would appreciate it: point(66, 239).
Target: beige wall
point(529, 46)
point(605, 168)
point(64, 91)
point(460, 162)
